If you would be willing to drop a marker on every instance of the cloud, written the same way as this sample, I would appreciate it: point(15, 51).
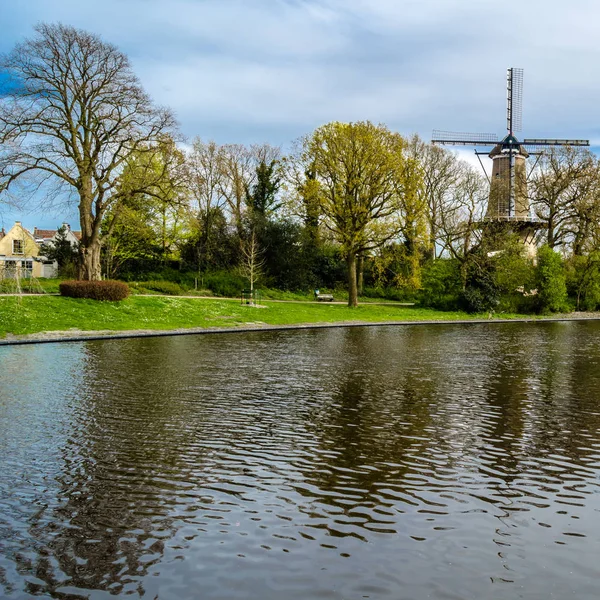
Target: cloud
point(271, 70)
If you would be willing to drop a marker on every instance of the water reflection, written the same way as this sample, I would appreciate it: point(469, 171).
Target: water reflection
point(446, 461)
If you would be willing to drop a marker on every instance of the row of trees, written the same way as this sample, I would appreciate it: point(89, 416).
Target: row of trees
point(391, 211)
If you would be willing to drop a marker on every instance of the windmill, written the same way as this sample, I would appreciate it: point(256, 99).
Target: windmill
point(508, 201)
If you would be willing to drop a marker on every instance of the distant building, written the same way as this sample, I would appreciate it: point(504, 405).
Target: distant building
point(47, 236)
point(20, 251)
point(20, 255)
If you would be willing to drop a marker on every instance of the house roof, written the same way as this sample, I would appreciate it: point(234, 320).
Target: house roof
point(45, 234)
point(48, 234)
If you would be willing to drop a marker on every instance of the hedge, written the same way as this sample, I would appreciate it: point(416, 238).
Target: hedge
point(95, 290)
point(164, 287)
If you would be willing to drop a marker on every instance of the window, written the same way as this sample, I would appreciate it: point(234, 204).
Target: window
point(26, 268)
point(18, 247)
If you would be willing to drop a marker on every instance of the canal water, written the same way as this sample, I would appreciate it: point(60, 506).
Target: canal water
point(445, 462)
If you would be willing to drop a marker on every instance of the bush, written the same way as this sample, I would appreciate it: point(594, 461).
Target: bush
point(224, 283)
point(441, 284)
point(476, 300)
point(551, 281)
point(95, 290)
point(164, 287)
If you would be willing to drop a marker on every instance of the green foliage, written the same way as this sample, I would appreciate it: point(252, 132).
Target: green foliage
point(499, 276)
point(95, 290)
point(63, 252)
point(583, 280)
point(163, 287)
point(398, 265)
point(224, 283)
point(514, 275)
point(262, 198)
point(210, 245)
point(441, 284)
point(481, 296)
point(359, 170)
point(551, 281)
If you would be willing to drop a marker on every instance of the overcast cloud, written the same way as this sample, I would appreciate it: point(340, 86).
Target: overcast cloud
point(271, 70)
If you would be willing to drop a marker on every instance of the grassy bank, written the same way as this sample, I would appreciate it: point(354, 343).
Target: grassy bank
point(26, 315)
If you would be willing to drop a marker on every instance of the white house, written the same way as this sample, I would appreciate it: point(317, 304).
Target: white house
point(48, 236)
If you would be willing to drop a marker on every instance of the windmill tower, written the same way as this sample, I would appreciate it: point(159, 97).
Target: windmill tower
point(508, 201)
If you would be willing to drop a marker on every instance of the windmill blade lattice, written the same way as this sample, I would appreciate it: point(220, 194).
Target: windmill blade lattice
point(464, 139)
point(514, 100)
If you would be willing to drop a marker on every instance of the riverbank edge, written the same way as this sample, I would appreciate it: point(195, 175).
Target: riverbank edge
point(51, 337)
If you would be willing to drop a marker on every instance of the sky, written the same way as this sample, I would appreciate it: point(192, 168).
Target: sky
point(253, 71)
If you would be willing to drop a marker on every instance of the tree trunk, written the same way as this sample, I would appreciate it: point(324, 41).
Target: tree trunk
point(463, 275)
point(352, 288)
point(551, 242)
point(89, 263)
point(360, 267)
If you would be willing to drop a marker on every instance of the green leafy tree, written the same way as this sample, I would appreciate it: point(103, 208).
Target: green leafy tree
point(261, 197)
point(551, 281)
point(147, 225)
point(210, 244)
point(583, 280)
point(62, 251)
point(133, 246)
point(356, 167)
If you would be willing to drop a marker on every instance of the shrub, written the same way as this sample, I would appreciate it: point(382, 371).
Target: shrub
point(551, 281)
point(441, 284)
point(164, 287)
point(95, 290)
point(224, 283)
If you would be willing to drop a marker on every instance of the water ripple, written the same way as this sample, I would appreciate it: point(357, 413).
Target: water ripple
point(443, 462)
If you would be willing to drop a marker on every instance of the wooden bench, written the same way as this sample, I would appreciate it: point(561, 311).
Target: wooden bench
point(324, 297)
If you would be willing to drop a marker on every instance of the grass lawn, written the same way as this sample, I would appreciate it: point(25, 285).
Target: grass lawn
point(34, 314)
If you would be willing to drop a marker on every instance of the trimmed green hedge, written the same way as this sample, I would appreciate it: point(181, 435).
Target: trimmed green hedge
point(95, 290)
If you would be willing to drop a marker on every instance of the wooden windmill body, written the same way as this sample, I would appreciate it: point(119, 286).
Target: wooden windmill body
point(509, 200)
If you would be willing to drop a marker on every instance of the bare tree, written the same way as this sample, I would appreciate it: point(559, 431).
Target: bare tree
point(73, 112)
point(252, 261)
point(206, 183)
point(238, 170)
point(460, 215)
point(558, 184)
point(440, 172)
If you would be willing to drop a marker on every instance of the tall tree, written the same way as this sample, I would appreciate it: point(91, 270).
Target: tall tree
point(560, 181)
point(459, 217)
point(155, 185)
point(261, 197)
point(440, 170)
point(238, 169)
point(73, 111)
point(357, 167)
point(206, 183)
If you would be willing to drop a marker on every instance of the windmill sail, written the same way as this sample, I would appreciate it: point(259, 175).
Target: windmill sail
point(514, 100)
point(464, 139)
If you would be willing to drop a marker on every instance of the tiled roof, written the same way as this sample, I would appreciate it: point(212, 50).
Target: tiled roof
point(47, 234)
point(43, 233)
